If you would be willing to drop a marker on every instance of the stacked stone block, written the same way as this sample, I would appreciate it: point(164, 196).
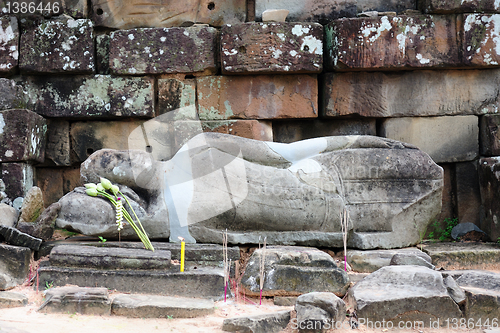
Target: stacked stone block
point(422, 72)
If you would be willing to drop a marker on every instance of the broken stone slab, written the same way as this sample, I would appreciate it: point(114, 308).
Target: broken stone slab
point(480, 44)
point(402, 293)
point(15, 237)
point(293, 271)
point(9, 44)
point(257, 97)
point(274, 15)
point(8, 215)
point(464, 255)
point(44, 225)
point(91, 96)
point(60, 45)
point(450, 6)
point(14, 265)
point(10, 299)
point(482, 290)
point(88, 301)
point(459, 145)
point(410, 93)
point(154, 306)
point(124, 14)
point(199, 282)
point(323, 11)
point(168, 50)
point(272, 48)
point(489, 187)
point(264, 323)
point(454, 290)
point(371, 260)
point(32, 206)
point(417, 259)
point(108, 258)
point(22, 136)
point(390, 42)
point(320, 310)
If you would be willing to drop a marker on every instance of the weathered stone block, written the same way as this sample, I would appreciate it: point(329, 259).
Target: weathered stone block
point(468, 193)
point(62, 45)
point(391, 42)
point(9, 48)
point(57, 150)
point(251, 129)
point(161, 51)
point(268, 323)
point(12, 299)
point(102, 54)
point(50, 181)
point(71, 179)
point(18, 178)
point(14, 265)
point(88, 301)
point(489, 182)
point(481, 46)
point(324, 11)
point(8, 215)
point(489, 135)
point(257, 97)
point(445, 139)
point(402, 293)
point(175, 93)
point(372, 260)
point(483, 296)
point(449, 202)
point(272, 48)
point(416, 93)
point(124, 14)
point(319, 310)
point(295, 130)
point(460, 256)
point(17, 238)
point(293, 271)
point(22, 136)
point(32, 205)
point(11, 95)
point(96, 96)
point(451, 6)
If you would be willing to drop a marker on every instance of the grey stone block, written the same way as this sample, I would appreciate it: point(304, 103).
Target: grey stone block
point(489, 182)
point(10, 299)
point(14, 265)
point(371, 260)
point(88, 301)
point(464, 255)
point(15, 237)
point(265, 323)
point(321, 308)
point(482, 290)
point(445, 139)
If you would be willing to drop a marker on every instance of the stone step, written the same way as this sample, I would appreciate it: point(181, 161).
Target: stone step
point(154, 306)
point(202, 282)
point(196, 254)
point(108, 257)
point(458, 256)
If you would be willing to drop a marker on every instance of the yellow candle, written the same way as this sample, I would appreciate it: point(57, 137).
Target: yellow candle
point(183, 250)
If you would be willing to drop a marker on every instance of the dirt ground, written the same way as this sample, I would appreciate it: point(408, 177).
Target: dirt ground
point(27, 319)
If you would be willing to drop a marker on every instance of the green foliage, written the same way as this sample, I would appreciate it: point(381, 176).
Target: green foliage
point(440, 233)
point(49, 285)
point(102, 239)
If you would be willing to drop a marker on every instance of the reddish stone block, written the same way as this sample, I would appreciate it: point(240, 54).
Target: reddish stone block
point(386, 42)
point(251, 129)
point(481, 42)
point(22, 136)
point(175, 93)
point(71, 179)
point(62, 45)
point(18, 178)
point(98, 96)
point(160, 51)
point(9, 48)
point(410, 93)
point(57, 150)
point(272, 48)
point(257, 97)
point(50, 181)
point(126, 14)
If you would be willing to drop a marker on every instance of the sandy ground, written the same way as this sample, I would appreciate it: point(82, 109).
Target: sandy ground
point(27, 319)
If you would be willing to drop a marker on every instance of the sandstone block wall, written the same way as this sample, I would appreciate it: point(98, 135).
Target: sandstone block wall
point(87, 74)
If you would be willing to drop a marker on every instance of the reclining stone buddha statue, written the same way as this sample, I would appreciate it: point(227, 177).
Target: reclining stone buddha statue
point(293, 194)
